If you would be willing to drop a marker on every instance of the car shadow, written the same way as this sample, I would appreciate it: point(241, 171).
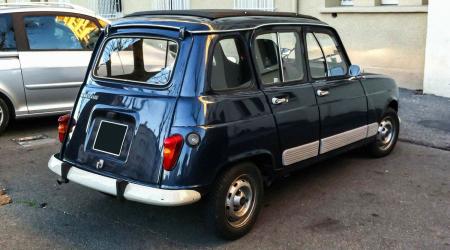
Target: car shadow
point(186, 225)
point(30, 126)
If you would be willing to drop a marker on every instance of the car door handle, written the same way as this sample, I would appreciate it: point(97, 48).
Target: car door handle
point(322, 92)
point(277, 101)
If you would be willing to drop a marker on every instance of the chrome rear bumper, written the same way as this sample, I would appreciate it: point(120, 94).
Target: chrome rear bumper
point(130, 191)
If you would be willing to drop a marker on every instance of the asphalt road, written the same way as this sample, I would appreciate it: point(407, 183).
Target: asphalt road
point(352, 202)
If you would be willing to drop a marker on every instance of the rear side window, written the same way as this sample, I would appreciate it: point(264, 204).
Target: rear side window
point(144, 60)
point(61, 33)
point(230, 68)
point(7, 40)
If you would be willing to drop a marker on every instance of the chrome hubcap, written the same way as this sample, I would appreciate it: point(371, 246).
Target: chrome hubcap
point(239, 203)
point(386, 133)
point(1, 116)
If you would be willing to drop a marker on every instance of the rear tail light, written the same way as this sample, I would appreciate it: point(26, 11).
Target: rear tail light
point(172, 150)
point(63, 125)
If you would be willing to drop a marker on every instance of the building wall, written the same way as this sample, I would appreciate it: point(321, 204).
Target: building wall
point(437, 63)
point(388, 41)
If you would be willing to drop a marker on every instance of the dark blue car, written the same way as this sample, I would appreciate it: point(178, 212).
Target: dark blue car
point(188, 105)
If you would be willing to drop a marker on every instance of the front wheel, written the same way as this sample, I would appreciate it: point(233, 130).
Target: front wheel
point(4, 115)
point(235, 201)
point(388, 131)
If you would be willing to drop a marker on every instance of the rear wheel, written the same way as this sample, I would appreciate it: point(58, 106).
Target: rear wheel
point(388, 130)
point(5, 115)
point(235, 201)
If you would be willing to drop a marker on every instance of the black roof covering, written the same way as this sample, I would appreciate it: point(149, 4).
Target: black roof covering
point(210, 21)
point(213, 14)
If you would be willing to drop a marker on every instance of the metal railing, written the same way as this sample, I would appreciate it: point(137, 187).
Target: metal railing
point(266, 5)
point(109, 9)
point(172, 4)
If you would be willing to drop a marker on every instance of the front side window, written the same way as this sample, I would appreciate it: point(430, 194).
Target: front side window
point(325, 57)
point(336, 64)
point(317, 65)
point(279, 57)
point(7, 40)
point(144, 60)
point(230, 68)
point(61, 33)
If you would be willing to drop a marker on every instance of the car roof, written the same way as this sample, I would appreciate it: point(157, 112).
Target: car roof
point(214, 21)
point(47, 7)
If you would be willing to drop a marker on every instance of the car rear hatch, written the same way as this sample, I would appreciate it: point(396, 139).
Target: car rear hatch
point(125, 108)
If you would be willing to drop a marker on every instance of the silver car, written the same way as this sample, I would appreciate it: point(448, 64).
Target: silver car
point(44, 53)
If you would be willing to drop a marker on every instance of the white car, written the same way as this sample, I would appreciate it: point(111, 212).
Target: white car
point(44, 53)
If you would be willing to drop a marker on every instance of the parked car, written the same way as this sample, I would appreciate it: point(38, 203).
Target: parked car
point(188, 105)
point(44, 53)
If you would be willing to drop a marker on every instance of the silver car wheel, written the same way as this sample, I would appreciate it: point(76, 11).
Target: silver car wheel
point(1, 115)
point(386, 133)
point(240, 201)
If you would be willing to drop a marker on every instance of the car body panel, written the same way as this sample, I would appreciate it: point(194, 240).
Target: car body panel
point(147, 111)
point(11, 84)
point(51, 80)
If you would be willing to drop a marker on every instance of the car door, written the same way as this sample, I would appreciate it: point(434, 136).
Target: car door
point(341, 98)
point(279, 58)
point(54, 57)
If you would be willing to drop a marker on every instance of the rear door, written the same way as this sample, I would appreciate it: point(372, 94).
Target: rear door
point(341, 98)
point(56, 51)
point(279, 58)
point(10, 74)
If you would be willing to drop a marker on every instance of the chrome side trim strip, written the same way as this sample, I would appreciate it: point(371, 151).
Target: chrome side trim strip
point(54, 85)
point(372, 129)
point(306, 151)
point(300, 153)
point(339, 140)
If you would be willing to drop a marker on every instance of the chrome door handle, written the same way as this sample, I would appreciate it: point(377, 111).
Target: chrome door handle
point(322, 92)
point(277, 101)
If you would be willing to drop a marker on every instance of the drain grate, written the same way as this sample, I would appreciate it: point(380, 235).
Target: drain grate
point(34, 140)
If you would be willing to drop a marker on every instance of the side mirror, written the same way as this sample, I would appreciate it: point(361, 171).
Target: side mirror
point(354, 70)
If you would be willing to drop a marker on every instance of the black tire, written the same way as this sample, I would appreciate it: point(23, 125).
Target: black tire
point(231, 186)
point(386, 141)
point(5, 115)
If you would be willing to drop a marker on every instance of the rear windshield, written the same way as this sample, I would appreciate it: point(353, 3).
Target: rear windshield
point(144, 60)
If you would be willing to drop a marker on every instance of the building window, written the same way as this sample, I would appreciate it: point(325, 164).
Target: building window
point(383, 2)
point(107, 8)
point(172, 4)
point(347, 2)
point(267, 5)
point(389, 2)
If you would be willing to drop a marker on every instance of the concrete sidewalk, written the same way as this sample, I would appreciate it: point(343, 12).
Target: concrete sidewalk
point(425, 119)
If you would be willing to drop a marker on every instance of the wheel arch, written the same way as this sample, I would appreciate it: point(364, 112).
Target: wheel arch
point(393, 104)
point(263, 160)
point(10, 104)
